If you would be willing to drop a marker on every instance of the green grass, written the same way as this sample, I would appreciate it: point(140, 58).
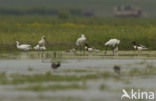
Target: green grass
point(55, 87)
point(49, 77)
point(78, 70)
point(149, 70)
point(62, 34)
point(38, 78)
point(30, 69)
point(103, 87)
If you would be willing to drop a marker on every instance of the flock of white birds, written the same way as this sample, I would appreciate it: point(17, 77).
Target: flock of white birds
point(113, 43)
point(82, 43)
point(26, 47)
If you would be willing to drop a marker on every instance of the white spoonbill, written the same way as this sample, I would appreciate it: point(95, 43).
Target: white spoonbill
point(138, 46)
point(24, 47)
point(114, 43)
point(43, 41)
point(37, 47)
point(80, 41)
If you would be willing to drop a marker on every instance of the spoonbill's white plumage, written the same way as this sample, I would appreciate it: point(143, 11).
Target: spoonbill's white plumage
point(37, 47)
point(24, 47)
point(80, 41)
point(138, 46)
point(42, 42)
point(114, 43)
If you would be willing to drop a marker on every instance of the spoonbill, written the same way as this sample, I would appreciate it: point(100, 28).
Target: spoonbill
point(37, 47)
point(138, 46)
point(24, 47)
point(114, 43)
point(43, 41)
point(81, 41)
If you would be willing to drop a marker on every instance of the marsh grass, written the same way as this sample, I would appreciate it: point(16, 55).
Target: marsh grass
point(149, 70)
point(62, 98)
point(62, 34)
point(40, 87)
point(48, 77)
point(38, 78)
point(3, 78)
point(78, 70)
point(30, 69)
point(103, 87)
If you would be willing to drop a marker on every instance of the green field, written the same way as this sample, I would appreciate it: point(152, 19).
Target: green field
point(62, 33)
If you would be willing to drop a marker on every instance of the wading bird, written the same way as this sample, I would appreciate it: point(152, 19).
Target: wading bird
point(81, 41)
point(24, 47)
point(114, 43)
point(55, 65)
point(138, 46)
point(89, 49)
point(117, 69)
point(42, 48)
point(42, 42)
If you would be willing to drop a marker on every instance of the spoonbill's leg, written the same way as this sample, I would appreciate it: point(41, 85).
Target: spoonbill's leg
point(106, 50)
point(113, 49)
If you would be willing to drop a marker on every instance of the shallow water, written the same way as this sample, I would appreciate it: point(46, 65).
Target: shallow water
point(41, 63)
point(41, 66)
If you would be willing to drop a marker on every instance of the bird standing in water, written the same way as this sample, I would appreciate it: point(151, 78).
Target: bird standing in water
point(117, 69)
point(42, 42)
point(114, 43)
point(81, 41)
point(138, 46)
point(90, 49)
point(55, 65)
point(42, 48)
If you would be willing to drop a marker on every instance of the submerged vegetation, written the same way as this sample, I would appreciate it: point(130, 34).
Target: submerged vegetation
point(40, 87)
point(75, 80)
point(149, 70)
point(62, 33)
point(50, 77)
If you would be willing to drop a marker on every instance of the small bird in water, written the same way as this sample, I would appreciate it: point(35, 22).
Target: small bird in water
point(40, 48)
point(90, 49)
point(55, 65)
point(117, 69)
point(138, 46)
